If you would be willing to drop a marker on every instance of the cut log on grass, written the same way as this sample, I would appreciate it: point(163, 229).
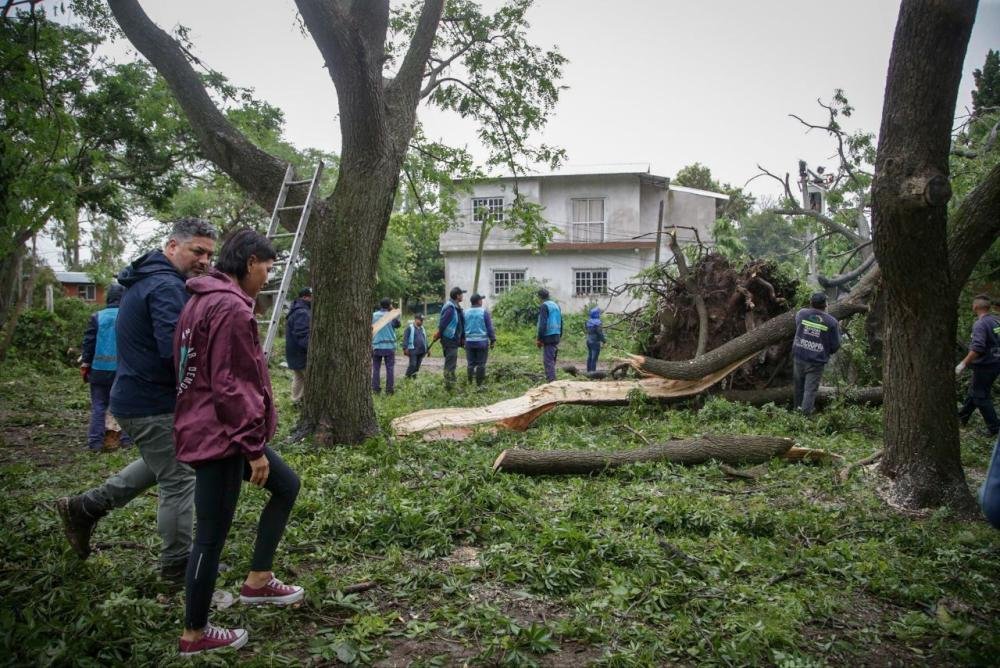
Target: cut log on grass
point(518, 413)
point(726, 449)
point(785, 395)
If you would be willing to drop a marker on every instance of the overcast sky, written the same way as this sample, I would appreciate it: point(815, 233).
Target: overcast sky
point(664, 82)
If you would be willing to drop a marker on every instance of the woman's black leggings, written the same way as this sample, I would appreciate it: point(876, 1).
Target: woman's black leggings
point(216, 490)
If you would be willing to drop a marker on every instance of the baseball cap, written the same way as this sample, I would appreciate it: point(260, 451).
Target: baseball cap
point(456, 291)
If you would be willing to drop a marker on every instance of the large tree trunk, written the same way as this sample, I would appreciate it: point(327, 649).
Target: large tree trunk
point(340, 407)
point(377, 117)
point(726, 449)
point(910, 196)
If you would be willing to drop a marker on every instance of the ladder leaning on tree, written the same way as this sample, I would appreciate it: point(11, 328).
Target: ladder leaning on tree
point(286, 263)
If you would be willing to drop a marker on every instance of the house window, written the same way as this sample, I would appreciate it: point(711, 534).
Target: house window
point(505, 279)
point(487, 207)
point(588, 220)
point(87, 293)
point(590, 282)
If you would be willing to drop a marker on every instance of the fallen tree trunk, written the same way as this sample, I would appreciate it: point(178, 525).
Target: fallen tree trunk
point(726, 449)
point(784, 395)
point(518, 413)
point(773, 331)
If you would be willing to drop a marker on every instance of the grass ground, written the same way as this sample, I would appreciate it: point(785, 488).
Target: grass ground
point(649, 565)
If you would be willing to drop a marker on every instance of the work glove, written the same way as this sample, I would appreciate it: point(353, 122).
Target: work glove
point(85, 372)
point(406, 352)
point(960, 368)
point(538, 343)
point(493, 344)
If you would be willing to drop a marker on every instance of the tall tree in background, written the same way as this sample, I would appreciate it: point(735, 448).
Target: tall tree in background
point(910, 196)
point(382, 65)
point(986, 96)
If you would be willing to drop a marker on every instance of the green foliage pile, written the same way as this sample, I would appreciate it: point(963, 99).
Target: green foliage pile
point(46, 339)
point(518, 306)
point(653, 564)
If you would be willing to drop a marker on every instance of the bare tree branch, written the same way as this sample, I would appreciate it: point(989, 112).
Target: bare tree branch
point(255, 170)
point(843, 279)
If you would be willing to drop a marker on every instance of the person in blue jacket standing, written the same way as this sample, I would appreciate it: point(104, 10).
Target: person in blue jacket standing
point(415, 345)
point(984, 360)
point(479, 338)
point(451, 331)
point(817, 337)
point(595, 337)
point(384, 349)
point(549, 333)
point(99, 364)
point(297, 341)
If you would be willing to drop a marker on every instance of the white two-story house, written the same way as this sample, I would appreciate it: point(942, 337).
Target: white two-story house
point(605, 224)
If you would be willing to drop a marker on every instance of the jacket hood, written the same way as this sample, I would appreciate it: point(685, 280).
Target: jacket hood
point(115, 292)
point(595, 317)
point(300, 303)
point(216, 281)
point(153, 262)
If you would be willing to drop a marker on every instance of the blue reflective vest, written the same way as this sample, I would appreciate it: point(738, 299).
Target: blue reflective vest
point(385, 338)
point(106, 349)
point(475, 324)
point(452, 327)
point(553, 326)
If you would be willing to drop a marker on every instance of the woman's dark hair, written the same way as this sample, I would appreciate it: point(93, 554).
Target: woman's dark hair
point(237, 249)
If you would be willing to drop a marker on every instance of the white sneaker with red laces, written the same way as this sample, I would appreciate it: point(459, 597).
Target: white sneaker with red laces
point(214, 638)
point(275, 592)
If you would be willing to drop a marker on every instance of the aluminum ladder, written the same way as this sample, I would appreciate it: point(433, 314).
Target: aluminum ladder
point(288, 262)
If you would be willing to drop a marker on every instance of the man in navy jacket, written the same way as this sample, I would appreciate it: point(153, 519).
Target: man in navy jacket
point(984, 360)
point(817, 337)
point(143, 396)
point(297, 341)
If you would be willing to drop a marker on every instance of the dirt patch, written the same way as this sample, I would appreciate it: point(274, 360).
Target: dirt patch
point(403, 652)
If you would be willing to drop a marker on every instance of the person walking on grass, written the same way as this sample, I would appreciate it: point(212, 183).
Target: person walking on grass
point(479, 338)
point(984, 360)
point(415, 345)
point(98, 365)
point(595, 337)
point(549, 333)
point(224, 419)
point(451, 331)
point(297, 341)
point(817, 337)
point(384, 349)
point(143, 396)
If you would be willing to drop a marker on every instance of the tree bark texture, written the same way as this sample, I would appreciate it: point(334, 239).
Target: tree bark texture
point(726, 449)
point(377, 117)
point(910, 195)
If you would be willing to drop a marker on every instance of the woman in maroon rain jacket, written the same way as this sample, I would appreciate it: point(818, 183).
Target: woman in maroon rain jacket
point(223, 420)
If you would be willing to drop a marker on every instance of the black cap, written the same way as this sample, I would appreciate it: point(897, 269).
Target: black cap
point(476, 297)
point(456, 291)
point(306, 292)
point(418, 316)
point(114, 293)
point(385, 303)
point(543, 293)
point(818, 298)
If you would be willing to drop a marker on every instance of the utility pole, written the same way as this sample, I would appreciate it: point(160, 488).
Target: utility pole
point(659, 233)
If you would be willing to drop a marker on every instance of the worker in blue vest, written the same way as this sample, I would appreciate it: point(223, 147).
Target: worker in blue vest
point(817, 337)
point(549, 332)
point(99, 364)
point(415, 345)
point(384, 349)
point(451, 331)
point(479, 338)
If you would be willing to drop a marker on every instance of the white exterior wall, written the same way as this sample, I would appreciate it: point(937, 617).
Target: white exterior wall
point(555, 270)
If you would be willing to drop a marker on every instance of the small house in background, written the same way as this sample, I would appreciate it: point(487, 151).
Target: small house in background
point(80, 285)
point(605, 232)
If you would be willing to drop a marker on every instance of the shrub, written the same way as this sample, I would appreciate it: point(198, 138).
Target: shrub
point(41, 336)
point(518, 306)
